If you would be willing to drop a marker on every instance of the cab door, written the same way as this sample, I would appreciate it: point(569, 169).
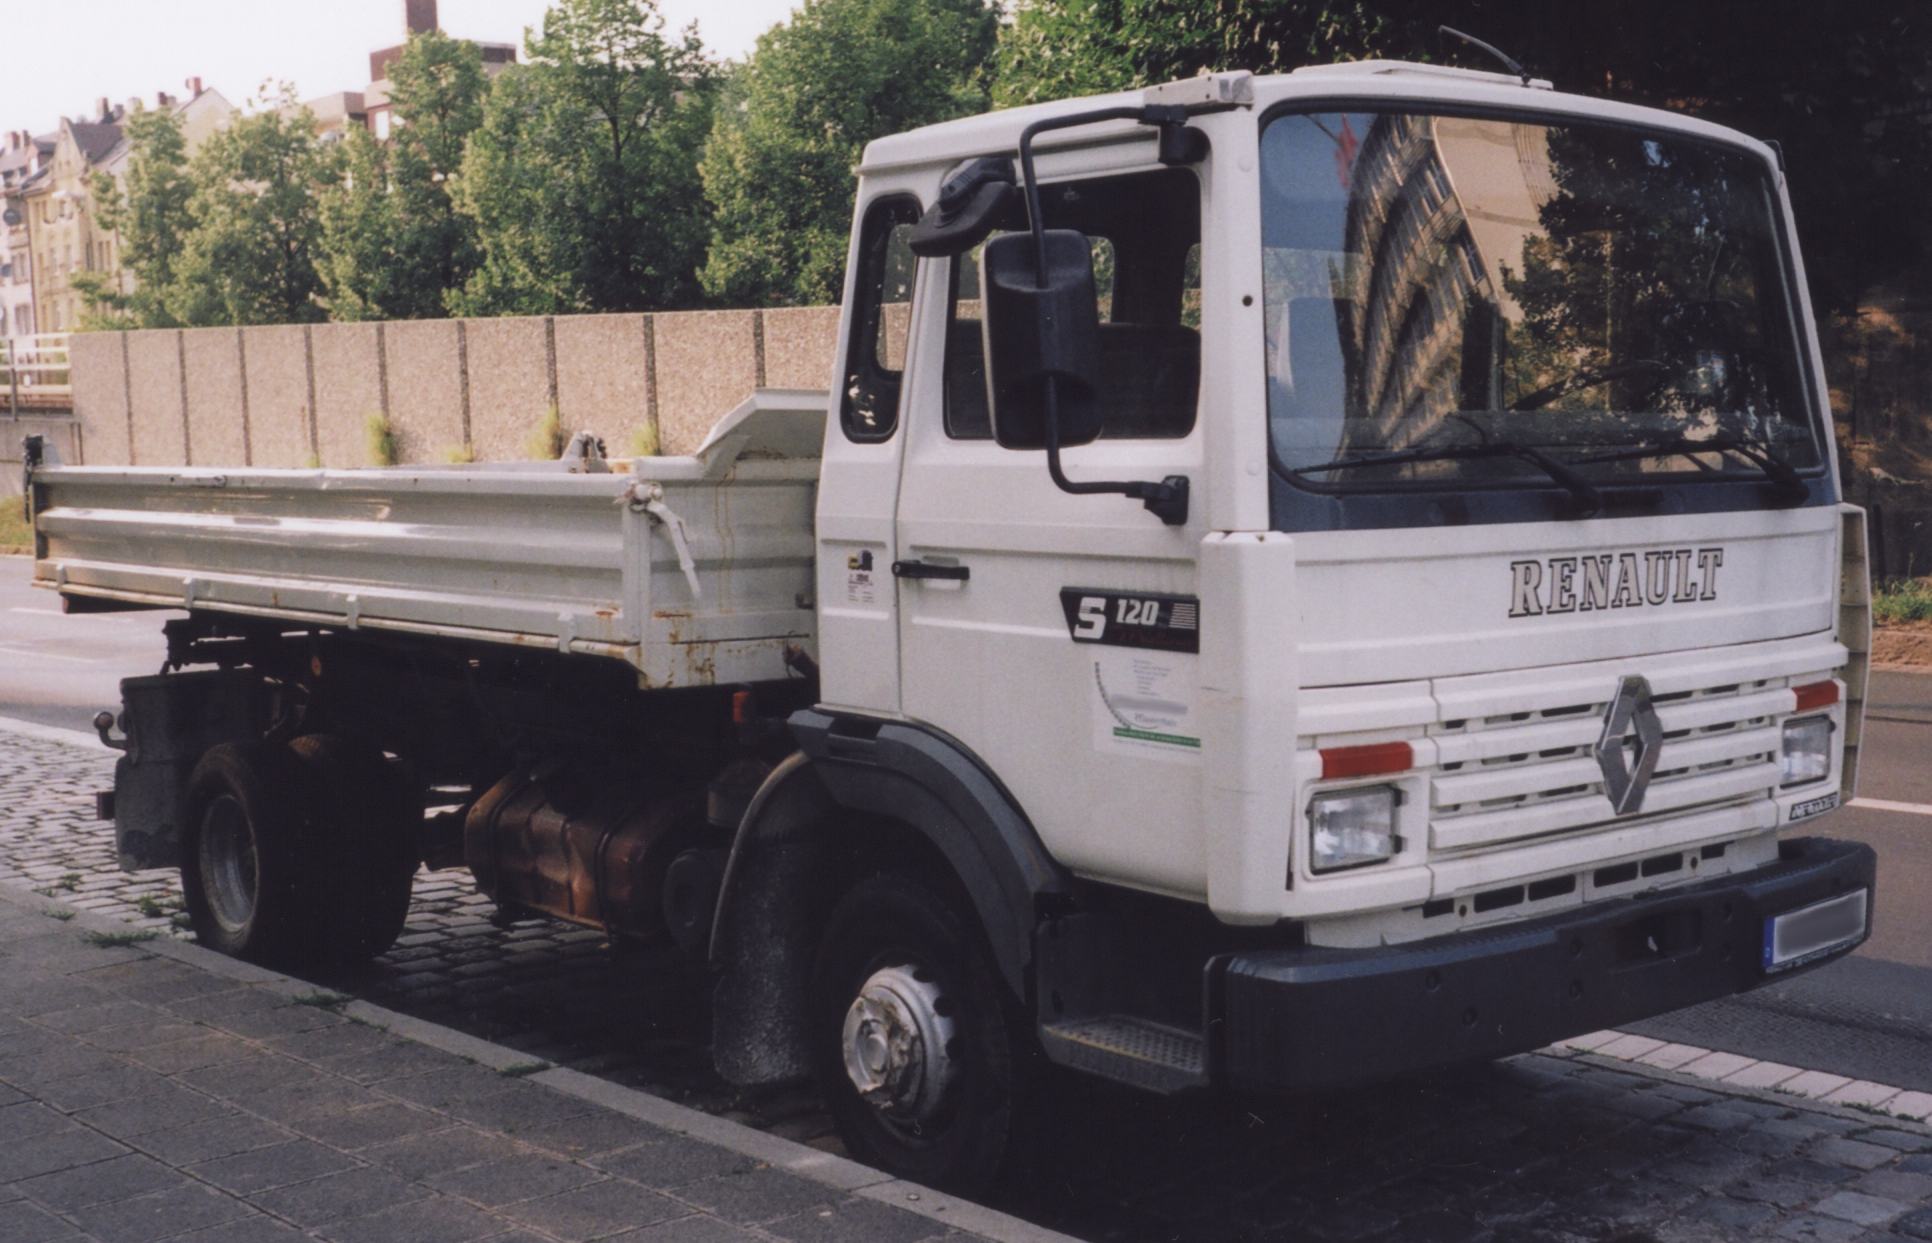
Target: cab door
point(1056, 635)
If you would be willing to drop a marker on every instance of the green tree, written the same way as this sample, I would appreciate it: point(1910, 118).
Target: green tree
point(360, 268)
point(253, 255)
point(152, 220)
point(583, 177)
point(1841, 89)
point(796, 117)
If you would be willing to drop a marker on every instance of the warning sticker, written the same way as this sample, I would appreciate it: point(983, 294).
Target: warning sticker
point(1145, 701)
point(861, 580)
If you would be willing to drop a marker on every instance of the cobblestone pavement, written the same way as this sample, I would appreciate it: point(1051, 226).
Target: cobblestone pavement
point(148, 1096)
point(1542, 1147)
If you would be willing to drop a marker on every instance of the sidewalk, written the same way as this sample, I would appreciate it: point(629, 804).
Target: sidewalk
point(153, 1090)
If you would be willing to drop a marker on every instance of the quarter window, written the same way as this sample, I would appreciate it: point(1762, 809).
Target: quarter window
point(881, 319)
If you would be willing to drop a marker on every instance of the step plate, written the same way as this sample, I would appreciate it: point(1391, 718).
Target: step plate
point(1129, 1050)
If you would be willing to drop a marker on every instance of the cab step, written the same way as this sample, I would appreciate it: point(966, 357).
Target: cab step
point(1129, 1050)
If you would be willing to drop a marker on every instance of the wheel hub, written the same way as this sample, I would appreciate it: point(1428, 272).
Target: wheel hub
point(897, 1044)
point(228, 863)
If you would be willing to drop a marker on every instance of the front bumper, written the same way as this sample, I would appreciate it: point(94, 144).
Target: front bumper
point(1296, 1020)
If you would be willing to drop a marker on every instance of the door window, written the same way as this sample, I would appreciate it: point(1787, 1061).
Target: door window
point(881, 317)
point(1145, 230)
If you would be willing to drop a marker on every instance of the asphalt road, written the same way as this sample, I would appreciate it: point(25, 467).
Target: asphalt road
point(1869, 1016)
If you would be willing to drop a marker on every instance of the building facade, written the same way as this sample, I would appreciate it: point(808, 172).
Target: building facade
point(22, 155)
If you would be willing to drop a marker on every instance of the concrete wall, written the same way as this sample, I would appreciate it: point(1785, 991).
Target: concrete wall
point(287, 395)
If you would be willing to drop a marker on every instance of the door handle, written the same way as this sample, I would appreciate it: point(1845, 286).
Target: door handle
point(926, 569)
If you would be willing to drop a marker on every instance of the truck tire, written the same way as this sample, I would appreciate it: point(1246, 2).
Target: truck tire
point(249, 852)
point(368, 851)
point(914, 1042)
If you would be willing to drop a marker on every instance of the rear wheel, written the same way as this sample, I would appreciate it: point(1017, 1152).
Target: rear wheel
point(368, 848)
point(915, 1043)
point(248, 852)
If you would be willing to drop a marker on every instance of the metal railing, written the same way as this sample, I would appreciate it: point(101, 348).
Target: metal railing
point(34, 373)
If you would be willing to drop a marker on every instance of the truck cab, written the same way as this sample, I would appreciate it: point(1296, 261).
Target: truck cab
point(1514, 621)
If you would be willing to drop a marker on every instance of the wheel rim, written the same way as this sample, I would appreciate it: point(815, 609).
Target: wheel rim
point(898, 1044)
point(227, 861)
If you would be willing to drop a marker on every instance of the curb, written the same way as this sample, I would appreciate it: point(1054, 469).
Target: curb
point(838, 1173)
point(54, 733)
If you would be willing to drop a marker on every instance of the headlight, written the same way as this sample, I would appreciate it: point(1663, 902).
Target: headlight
point(1807, 751)
point(1349, 828)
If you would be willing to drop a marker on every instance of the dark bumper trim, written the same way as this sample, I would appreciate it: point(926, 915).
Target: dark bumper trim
point(1298, 1020)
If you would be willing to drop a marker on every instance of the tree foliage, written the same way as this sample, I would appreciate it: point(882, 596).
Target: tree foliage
point(797, 116)
point(582, 178)
point(152, 220)
point(1840, 88)
point(253, 254)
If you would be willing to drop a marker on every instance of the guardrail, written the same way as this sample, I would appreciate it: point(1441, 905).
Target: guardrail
point(34, 373)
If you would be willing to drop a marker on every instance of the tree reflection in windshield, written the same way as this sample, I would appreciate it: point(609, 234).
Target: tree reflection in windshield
point(1448, 279)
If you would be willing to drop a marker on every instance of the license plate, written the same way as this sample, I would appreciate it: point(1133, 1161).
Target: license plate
point(1796, 937)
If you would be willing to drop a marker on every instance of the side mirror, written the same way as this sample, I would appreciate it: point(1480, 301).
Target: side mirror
point(1039, 333)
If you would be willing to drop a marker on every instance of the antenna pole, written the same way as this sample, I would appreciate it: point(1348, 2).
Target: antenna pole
point(1497, 53)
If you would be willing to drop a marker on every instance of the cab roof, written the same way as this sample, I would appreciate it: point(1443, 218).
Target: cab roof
point(993, 133)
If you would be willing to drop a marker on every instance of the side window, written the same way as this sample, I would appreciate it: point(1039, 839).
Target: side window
point(881, 318)
point(1145, 230)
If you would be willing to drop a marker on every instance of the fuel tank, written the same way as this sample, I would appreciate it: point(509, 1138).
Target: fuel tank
point(589, 851)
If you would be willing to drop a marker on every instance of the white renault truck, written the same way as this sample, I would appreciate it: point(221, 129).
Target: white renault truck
point(1298, 579)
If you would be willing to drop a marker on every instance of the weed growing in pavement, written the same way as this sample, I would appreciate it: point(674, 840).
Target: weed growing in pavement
point(323, 999)
point(110, 940)
point(517, 1070)
point(149, 907)
point(379, 440)
point(58, 912)
point(1902, 600)
point(70, 881)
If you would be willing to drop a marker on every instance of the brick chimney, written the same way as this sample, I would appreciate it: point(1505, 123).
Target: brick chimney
point(102, 111)
point(419, 16)
point(193, 86)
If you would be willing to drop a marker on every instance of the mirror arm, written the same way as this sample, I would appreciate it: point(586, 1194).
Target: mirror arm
point(1166, 498)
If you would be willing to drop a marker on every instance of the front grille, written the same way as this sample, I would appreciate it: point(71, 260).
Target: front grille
point(1502, 779)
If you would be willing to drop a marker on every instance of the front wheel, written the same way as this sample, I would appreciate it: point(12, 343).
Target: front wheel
point(915, 1044)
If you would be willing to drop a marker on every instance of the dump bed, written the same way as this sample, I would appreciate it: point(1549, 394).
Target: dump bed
point(694, 570)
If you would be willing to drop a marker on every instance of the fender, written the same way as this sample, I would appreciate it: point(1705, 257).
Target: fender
point(773, 890)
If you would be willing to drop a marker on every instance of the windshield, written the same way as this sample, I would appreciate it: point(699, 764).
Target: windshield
point(1602, 295)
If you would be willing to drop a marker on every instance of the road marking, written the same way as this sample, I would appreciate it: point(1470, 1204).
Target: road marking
point(50, 733)
point(12, 649)
point(1886, 804)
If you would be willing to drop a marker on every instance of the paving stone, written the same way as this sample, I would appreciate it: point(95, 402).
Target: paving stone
point(757, 1195)
point(439, 1219)
point(598, 1133)
point(1898, 1185)
point(1851, 1153)
point(1762, 1075)
point(352, 1193)
point(1816, 1084)
point(258, 1228)
point(295, 1161)
point(31, 1120)
point(146, 1218)
point(1857, 1207)
point(517, 1109)
point(211, 1138)
point(1747, 1219)
point(881, 1223)
point(162, 1106)
point(438, 1152)
point(46, 1153)
point(114, 1179)
point(593, 1211)
point(523, 1177)
point(1716, 1065)
point(1814, 1229)
point(21, 1222)
point(371, 1124)
point(674, 1163)
point(207, 1049)
point(1916, 1224)
point(694, 1229)
point(1903, 1141)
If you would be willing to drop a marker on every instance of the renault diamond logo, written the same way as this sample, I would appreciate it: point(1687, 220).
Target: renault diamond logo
point(1628, 749)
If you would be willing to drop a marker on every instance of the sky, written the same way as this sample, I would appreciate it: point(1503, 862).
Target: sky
point(61, 57)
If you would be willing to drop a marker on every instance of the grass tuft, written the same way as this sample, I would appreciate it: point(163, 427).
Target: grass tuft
point(379, 440)
point(15, 535)
point(460, 455)
point(323, 999)
point(1902, 600)
point(548, 441)
point(644, 441)
point(517, 1070)
point(58, 912)
point(110, 940)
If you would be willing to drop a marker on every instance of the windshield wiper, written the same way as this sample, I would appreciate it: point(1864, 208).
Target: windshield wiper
point(1588, 500)
point(1778, 471)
